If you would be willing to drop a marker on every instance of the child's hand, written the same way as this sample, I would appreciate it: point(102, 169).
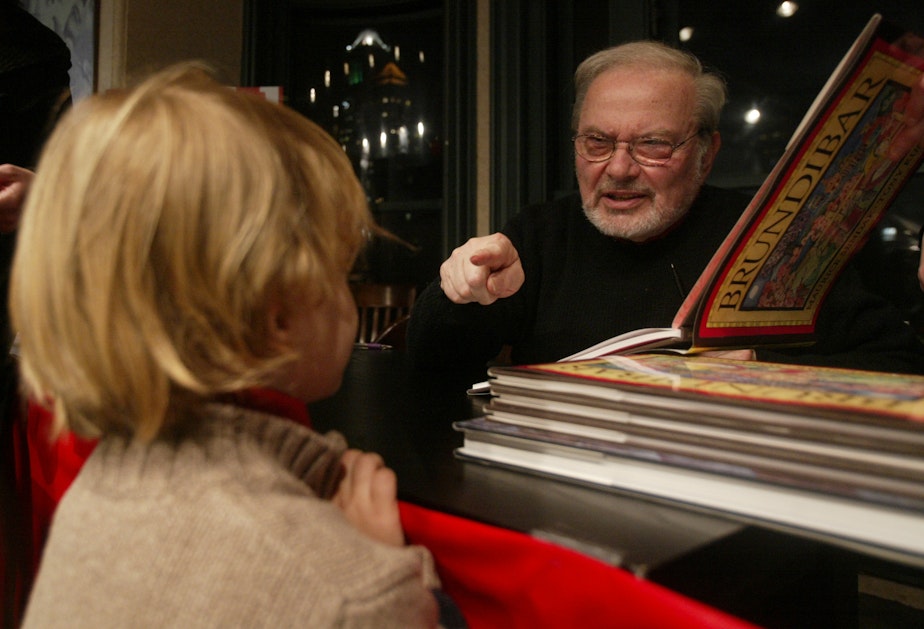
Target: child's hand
point(368, 497)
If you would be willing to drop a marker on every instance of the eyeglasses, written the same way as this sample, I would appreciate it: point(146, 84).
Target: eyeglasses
point(645, 151)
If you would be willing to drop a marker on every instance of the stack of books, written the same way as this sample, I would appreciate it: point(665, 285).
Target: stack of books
point(834, 452)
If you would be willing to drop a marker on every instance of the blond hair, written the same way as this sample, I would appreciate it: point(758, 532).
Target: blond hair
point(161, 222)
point(710, 88)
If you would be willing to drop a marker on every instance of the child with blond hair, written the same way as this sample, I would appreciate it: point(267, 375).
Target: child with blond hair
point(180, 294)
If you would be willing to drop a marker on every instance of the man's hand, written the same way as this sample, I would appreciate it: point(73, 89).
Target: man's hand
point(368, 497)
point(484, 269)
point(14, 184)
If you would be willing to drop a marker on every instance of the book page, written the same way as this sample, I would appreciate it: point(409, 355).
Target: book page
point(642, 339)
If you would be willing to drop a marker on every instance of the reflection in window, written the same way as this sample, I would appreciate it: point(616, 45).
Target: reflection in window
point(776, 56)
point(378, 108)
point(374, 81)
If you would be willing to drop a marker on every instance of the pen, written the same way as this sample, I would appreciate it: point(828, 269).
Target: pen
point(371, 346)
point(677, 281)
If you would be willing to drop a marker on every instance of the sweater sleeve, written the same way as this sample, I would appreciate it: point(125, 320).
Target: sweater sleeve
point(406, 599)
point(447, 336)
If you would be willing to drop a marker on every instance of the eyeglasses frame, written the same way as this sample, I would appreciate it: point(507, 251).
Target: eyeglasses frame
point(630, 148)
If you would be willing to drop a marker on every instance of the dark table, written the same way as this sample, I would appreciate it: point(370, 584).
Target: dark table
point(767, 576)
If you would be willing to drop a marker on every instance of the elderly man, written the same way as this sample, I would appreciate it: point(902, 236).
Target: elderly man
point(619, 256)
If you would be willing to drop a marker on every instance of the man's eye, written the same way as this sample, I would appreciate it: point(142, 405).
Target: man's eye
point(597, 146)
point(653, 148)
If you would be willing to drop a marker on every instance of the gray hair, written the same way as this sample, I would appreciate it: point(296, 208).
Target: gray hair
point(711, 91)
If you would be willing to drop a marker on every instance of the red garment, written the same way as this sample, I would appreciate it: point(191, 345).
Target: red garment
point(501, 578)
point(53, 464)
point(274, 402)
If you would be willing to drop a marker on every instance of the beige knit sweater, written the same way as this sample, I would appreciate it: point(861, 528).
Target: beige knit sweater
point(228, 527)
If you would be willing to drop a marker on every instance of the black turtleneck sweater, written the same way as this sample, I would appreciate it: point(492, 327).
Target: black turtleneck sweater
point(583, 287)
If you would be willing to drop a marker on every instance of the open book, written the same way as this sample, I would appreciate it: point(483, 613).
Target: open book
point(766, 283)
point(817, 207)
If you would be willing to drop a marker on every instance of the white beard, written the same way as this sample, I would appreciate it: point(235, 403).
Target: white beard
point(643, 227)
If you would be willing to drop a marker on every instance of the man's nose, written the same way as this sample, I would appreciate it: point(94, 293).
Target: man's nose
point(621, 165)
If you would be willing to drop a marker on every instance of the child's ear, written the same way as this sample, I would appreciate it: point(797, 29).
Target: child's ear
point(278, 325)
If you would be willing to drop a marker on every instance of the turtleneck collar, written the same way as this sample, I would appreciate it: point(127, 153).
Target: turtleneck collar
point(274, 402)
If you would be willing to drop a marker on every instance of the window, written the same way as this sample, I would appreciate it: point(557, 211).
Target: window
point(376, 76)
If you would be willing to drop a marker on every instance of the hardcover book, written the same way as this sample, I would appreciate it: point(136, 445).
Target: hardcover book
point(809, 401)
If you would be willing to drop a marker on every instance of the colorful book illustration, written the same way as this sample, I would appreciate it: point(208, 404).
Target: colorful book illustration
point(883, 399)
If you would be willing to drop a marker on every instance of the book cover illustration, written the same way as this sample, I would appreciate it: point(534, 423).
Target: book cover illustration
point(852, 394)
point(818, 207)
